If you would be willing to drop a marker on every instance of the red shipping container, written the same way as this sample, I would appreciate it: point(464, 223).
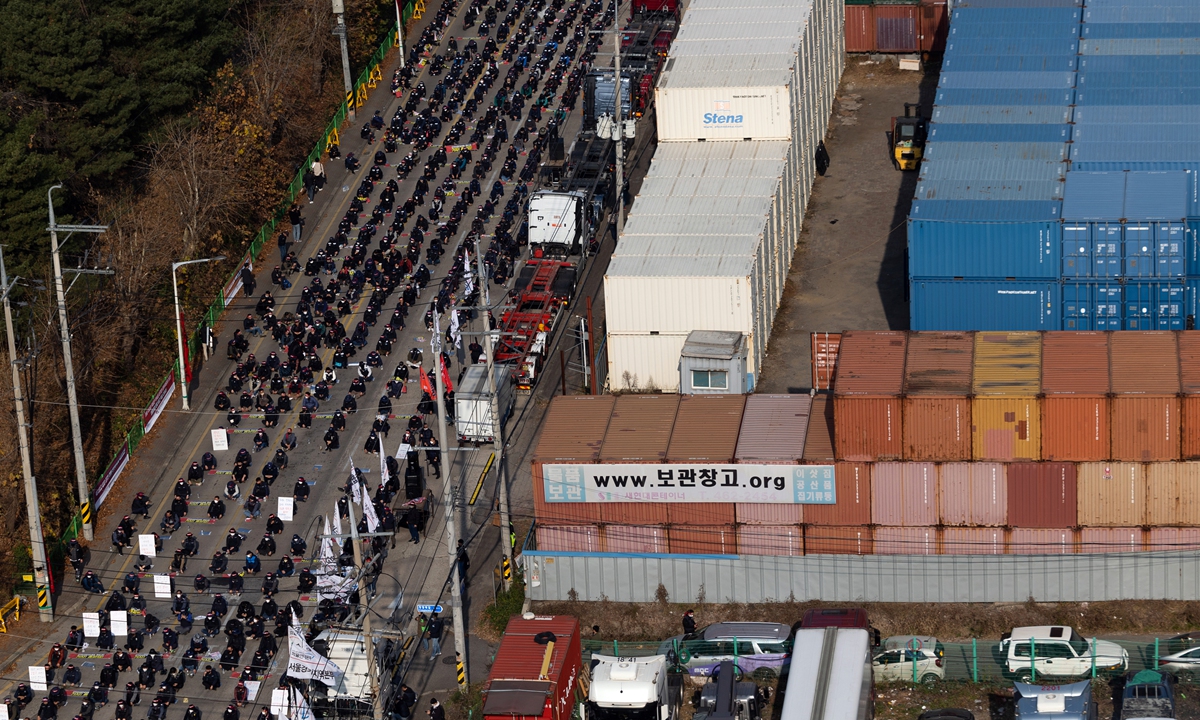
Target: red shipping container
point(773, 429)
point(866, 397)
point(1041, 541)
point(1075, 409)
point(1189, 380)
point(1041, 495)
point(706, 429)
point(860, 28)
point(973, 541)
point(633, 513)
point(700, 513)
point(896, 28)
point(769, 513)
point(639, 429)
point(770, 540)
point(1173, 538)
point(636, 539)
point(569, 538)
point(937, 403)
point(1144, 370)
point(906, 541)
point(935, 26)
point(515, 688)
point(904, 494)
point(1110, 540)
point(853, 506)
point(572, 432)
point(818, 442)
point(837, 540)
point(702, 540)
point(973, 494)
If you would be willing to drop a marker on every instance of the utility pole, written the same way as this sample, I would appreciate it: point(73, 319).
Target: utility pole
point(460, 644)
point(41, 570)
point(619, 129)
point(339, 9)
point(183, 371)
point(368, 640)
point(497, 426)
point(81, 483)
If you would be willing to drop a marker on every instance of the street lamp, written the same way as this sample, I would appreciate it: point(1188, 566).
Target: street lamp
point(183, 383)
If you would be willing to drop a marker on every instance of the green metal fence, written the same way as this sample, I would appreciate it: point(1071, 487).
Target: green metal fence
point(368, 79)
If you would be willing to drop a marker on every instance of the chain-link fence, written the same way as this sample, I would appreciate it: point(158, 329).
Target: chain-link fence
point(925, 660)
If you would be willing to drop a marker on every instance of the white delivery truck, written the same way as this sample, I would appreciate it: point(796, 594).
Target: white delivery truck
point(473, 402)
point(557, 223)
point(633, 688)
point(830, 676)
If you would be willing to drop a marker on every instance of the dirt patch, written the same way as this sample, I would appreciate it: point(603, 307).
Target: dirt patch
point(948, 622)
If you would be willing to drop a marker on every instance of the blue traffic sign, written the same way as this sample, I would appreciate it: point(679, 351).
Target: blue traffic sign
point(429, 608)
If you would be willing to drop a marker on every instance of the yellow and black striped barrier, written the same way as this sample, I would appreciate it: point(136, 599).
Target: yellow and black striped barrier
point(43, 596)
point(506, 568)
point(86, 512)
point(460, 670)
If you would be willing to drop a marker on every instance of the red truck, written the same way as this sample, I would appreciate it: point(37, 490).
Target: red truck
point(536, 672)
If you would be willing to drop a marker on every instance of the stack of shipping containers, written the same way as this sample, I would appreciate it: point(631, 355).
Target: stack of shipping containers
point(1059, 187)
point(954, 443)
point(896, 26)
point(741, 106)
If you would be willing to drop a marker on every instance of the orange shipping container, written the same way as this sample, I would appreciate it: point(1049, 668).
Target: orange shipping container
point(973, 541)
point(639, 429)
point(1041, 541)
point(1145, 408)
point(973, 494)
point(770, 540)
point(853, 507)
point(818, 441)
point(838, 540)
point(934, 25)
point(1075, 406)
point(770, 513)
point(635, 539)
point(706, 428)
point(1173, 493)
point(866, 398)
point(1110, 540)
point(700, 513)
point(1111, 494)
point(937, 388)
point(1005, 414)
point(1173, 538)
point(702, 540)
point(904, 494)
point(1189, 382)
point(906, 541)
point(569, 538)
point(572, 432)
point(860, 28)
point(633, 513)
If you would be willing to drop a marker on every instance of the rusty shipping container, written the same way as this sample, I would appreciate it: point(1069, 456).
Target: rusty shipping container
point(770, 513)
point(700, 513)
point(974, 541)
point(1075, 404)
point(572, 432)
point(904, 494)
point(860, 28)
point(1006, 381)
point(773, 429)
point(937, 403)
point(1041, 541)
point(702, 540)
point(1189, 382)
point(532, 680)
point(818, 442)
point(635, 539)
point(838, 540)
point(853, 506)
point(1173, 538)
point(706, 429)
point(1173, 493)
point(897, 28)
point(1042, 495)
point(569, 538)
point(906, 540)
point(866, 397)
point(770, 540)
point(1144, 368)
point(935, 26)
point(973, 494)
point(1111, 494)
point(639, 431)
point(1111, 539)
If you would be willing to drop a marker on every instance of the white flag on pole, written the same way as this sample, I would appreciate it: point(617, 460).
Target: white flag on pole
point(455, 332)
point(328, 556)
point(468, 278)
point(304, 662)
point(298, 706)
point(369, 512)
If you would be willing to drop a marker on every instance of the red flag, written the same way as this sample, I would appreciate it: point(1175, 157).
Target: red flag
point(426, 385)
point(446, 375)
point(187, 365)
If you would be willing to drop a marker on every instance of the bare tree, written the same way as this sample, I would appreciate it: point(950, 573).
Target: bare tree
point(195, 170)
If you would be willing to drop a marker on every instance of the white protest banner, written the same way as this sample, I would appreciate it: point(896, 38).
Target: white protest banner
point(146, 545)
point(298, 707)
point(220, 439)
point(304, 662)
point(3, 712)
point(159, 403)
point(690, 483)
point(37, 677)
point(162, 586)
point(120, 622)
point(335, 587)
point(91, 624)
point(403, 450)
point(279, 702)
point(287, 506)
point(337, 525)
point(328, 556)
point(252, 687)
point(369, 512)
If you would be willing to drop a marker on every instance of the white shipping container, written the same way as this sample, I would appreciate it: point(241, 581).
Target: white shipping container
point(713, 113)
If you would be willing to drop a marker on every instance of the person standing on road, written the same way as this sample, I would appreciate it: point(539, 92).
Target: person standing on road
point(436, 711)
point(318, 171)
point(283, 243)
point(297, 222)
point(436, 627)
point(247, 279)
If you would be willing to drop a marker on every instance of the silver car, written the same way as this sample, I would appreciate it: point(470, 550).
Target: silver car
point(760, 649)
point(1185, 664)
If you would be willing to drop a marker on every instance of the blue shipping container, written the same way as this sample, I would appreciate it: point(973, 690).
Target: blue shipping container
point(1001, 47)
point(961, 61)
point(1063, 31)
point(1091, 250)
point(1091, 306)
point(1134, 63)
point(966, 80)
point(1125, 13)
point(1002, 114)
point(988, 16)
point(1011, 211)
point(1100, 115)
point(1140, 46)
point(984, 305)
point(983, 250)
point(1098, 80)
point(1154, 305)
point(1007, 132)
point(1162, 30)
point(1005, 97)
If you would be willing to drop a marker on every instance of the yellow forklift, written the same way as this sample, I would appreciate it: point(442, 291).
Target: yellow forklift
point(906, 141)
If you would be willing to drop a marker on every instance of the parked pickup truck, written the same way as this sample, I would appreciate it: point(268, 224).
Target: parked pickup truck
point(1148, 694)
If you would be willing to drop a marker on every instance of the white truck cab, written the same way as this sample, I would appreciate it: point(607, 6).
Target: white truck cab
point(633, 688)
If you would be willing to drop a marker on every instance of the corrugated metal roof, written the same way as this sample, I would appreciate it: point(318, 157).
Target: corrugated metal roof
point(1141, 14)
point(1009, 132)
point(1001, 114)
point(1140, 46)
point(1099, 115)
point(1156, 196)
point(1139, 96)
point(1106, 132)
point(1061, 16)
point(774, 427)
point(1015, 30)
point(993, 169)
point(962, 62)
point(676, 266)
point(1140, 63)
point(1192, 167)
point(1133, 151)
point(1143, 79)
point(1094, 196)
point(1004, 97)
point(1025, 80)
point(1163, 30)
point(990, 190)
point(1007, 364)
point(1008, 211)
point(996, 47)
point(1003, 151)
